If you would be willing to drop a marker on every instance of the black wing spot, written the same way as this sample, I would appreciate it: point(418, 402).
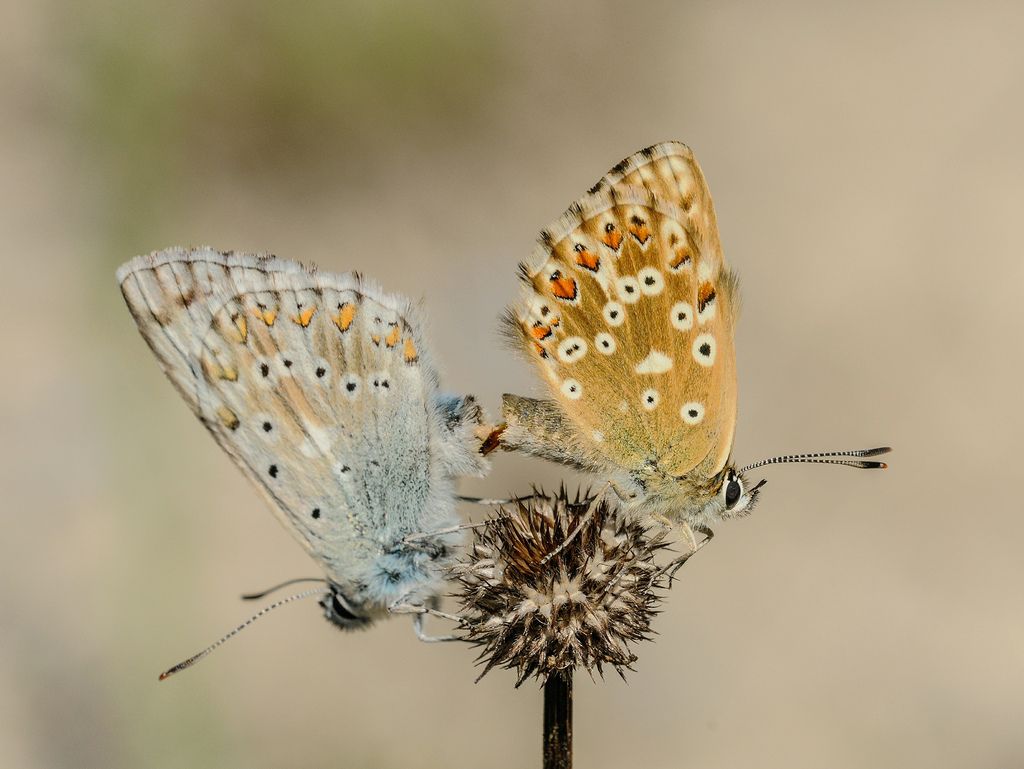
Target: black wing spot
point(316, 512)
point(320, 371)
point(267, 427)
point(273, 471)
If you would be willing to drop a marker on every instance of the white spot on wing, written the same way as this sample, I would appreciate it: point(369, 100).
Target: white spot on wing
point(381, 383)
point(614, 314)
point(692, 413)
point(650, 399)
point(351, 385)
point(704, 349)
point(705, 270)
point(322, 372)
point(572, 389)
point(260, 426)
point(598, 436)
point(655, 363)
point(628, 289)
point(605, 343)
point(265, 372)
point(571, 349)
point(650, 280)
point(681, 316)
point(320, 436)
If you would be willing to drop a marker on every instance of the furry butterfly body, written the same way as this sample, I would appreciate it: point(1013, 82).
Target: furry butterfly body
point(320, 388)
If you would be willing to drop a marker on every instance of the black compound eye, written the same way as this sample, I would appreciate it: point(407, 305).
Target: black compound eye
point(732, 494)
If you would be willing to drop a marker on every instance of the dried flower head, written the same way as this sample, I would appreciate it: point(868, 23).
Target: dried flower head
point(581, 608)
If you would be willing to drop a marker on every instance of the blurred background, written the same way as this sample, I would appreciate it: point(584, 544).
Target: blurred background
point(866, 162)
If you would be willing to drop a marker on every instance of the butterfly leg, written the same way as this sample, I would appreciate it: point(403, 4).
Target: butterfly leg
point(493, 502)
point(418, 539)
point(665, 523)
point(420, 610)
point(675, 565)
point(417, 625)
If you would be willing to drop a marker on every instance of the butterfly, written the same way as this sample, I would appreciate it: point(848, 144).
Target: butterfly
point(320, 387)
point(629, 313)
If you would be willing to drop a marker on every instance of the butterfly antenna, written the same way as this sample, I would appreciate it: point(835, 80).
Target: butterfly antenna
point(275, 588)
point(853, 458)
point(266, 610)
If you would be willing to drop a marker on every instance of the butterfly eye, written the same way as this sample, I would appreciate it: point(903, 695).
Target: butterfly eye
point(733, 492)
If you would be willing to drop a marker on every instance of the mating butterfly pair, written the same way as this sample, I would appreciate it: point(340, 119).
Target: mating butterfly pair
point(321, 387)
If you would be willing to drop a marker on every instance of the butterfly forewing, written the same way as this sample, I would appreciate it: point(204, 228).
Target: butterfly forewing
point(629, 313)
point(314, 383)
point(671, 173)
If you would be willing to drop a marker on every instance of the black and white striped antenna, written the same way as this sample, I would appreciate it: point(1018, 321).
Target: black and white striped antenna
point(829, 458)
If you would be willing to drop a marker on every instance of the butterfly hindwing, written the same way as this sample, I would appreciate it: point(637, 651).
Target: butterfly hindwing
point(317, 386)
point(629, 313)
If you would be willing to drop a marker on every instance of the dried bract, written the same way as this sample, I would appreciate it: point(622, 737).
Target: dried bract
point(582, 608)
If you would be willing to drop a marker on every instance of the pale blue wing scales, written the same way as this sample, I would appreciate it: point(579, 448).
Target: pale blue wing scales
point(317, 386)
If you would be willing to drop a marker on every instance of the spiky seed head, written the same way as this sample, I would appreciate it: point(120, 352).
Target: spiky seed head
point(582, 608)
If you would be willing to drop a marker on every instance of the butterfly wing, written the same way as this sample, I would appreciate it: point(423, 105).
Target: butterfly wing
point(318, 387)
point(629, 311)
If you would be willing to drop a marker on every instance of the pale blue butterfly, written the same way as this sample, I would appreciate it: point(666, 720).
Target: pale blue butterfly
point(320, 387)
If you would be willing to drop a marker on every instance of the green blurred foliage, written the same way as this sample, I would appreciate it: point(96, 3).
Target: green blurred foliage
point(175, 93)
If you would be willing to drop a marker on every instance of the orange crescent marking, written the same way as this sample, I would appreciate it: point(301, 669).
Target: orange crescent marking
point(705, 296)
point(612, 239)
point(346, 314)
point(227, 417)
point(681, 258)
point(409, 353)
point(640, 232)
point(243, 327)
point(393, 336)
point(540, 331)
point(305, 316)
point(564, 288)
point(588, 260)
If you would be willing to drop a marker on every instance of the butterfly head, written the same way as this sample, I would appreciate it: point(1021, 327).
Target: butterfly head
point(726, 494)
point(339, 611)
point(729, 493)
point(735, 496)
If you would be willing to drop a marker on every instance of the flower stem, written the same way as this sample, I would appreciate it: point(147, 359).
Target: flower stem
point(558, 721)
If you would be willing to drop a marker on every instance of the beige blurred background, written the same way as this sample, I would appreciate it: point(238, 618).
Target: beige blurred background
point(866, 163)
